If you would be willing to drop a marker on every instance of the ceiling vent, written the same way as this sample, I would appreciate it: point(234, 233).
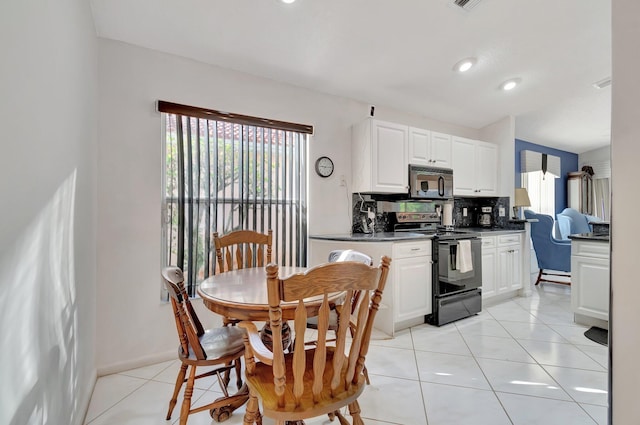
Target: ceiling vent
point(466, 4)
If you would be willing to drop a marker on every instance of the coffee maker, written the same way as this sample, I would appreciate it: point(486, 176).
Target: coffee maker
point(485, 218)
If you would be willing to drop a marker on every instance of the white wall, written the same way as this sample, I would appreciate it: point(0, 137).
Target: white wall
point(47, 232)
point(596, 155)
point(140, 329)
point(599, 159)
point(625, 232)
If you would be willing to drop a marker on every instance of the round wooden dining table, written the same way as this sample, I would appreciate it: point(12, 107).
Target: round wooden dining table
point(242, 294)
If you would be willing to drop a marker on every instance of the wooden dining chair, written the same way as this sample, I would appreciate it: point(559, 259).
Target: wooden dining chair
point(241, 249)
point(222, 347)
point(343, 255)
point(321, 380)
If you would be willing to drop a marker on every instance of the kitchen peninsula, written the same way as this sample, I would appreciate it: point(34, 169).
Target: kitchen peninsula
point(590, 278)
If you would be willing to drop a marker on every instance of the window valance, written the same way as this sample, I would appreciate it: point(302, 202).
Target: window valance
point(538, 161)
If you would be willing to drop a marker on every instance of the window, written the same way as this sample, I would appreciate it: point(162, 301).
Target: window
point(542, 191)
point(226, 172)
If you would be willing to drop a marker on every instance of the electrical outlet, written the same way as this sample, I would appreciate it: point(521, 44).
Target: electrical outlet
point(464, 212)
point(501, 211)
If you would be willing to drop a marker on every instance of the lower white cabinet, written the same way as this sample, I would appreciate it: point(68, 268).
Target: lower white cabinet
point(407, 295)
point(590, 278)
point(501, 264)
point(412, 280)
point(510, 261)
point(489, 264)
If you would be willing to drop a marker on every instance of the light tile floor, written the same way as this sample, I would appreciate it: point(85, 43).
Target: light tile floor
point(520, 362)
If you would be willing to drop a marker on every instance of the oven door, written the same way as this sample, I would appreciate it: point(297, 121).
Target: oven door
point(450, 278)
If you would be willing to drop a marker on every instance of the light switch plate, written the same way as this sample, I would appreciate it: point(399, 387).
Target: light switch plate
point(501, 211)
point(464, 212)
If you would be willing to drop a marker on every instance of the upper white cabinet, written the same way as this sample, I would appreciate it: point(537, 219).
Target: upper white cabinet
point(379, 152)
point(429, 148)
point(475, 167)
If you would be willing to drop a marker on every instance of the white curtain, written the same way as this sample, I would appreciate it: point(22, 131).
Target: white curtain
point(601, 198)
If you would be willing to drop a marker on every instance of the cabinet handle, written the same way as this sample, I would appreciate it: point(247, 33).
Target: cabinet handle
point(415, 249)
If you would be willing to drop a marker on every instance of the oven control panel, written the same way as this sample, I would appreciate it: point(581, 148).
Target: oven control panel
point(422, 217)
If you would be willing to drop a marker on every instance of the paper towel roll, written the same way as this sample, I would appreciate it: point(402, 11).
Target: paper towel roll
point(447, 215)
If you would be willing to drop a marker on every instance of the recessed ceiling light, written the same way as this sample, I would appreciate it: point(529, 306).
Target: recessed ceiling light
point(510, 84)
point(464, 65)
point(287, 1)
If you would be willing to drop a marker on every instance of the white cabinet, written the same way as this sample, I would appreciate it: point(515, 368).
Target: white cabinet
point(475, 167)
point(429, 148)
point(379, 152)
point(489, 264)
point(501, 264)
point(590, 278)
point(509, 262)
point(407, 295)
point(412, 280)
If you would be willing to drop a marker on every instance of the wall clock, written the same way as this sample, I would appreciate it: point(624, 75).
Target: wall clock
point(324, 166)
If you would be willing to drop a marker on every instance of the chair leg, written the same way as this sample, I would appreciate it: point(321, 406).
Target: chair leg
point(539, 276)
point(176, 390)
point(341, 419)
point(188, 393)
point(354, 411)
point(238, 372)
point(252, 414)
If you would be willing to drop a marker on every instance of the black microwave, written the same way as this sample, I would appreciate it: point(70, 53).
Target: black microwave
point(430, 182)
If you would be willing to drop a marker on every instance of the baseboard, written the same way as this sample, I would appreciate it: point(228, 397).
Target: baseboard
point(581, 319)
point(495, 299)
point(139, 362)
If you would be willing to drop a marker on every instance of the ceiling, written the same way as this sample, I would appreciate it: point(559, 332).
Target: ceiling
point(401, 54)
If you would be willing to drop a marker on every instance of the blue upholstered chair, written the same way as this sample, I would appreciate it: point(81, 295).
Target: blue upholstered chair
point(552, 254)
point(572, 221)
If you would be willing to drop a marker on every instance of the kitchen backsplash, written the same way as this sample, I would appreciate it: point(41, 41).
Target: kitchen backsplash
point(365, 207)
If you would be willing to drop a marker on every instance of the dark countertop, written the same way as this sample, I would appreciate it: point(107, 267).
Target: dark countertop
point(405, 236)
point(373, 237)
point(491, 230)
point(596, 237)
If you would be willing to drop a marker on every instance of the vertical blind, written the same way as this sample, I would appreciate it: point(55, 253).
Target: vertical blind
point(224, 173)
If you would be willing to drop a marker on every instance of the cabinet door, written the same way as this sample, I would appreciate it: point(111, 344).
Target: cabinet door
point(509, 258)
point(441, 150)
point(486, 169)
point(489, 261)
point(516, 271)
point(505, 266)
point(390, 172)
point(590, 286)
point(419, 146)
point(412, 278)
point(464, 165)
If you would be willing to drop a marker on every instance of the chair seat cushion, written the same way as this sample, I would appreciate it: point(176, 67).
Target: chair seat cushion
point(220, 342)
point(312, 322)
point(261, 383)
